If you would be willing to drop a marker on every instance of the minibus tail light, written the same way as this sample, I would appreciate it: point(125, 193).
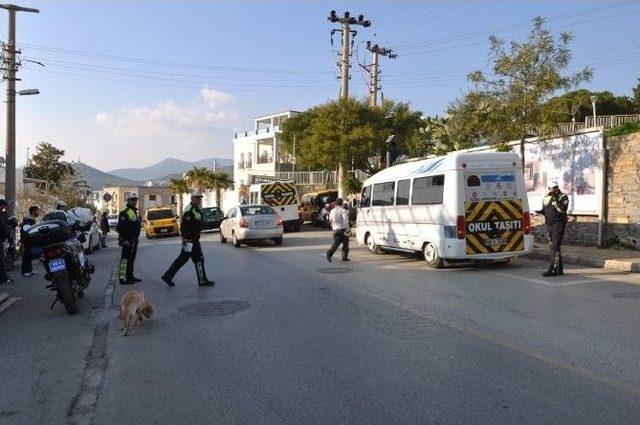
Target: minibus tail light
point(526, 222)
point(244, 223)
point(460, 227)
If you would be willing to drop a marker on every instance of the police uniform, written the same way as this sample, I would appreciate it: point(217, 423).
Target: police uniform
point(554, 208)
point(129, 225)
point(191, 225)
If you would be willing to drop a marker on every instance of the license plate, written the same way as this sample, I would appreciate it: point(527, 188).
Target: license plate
point(163, 230)
point(263, 223)
point(57, 265)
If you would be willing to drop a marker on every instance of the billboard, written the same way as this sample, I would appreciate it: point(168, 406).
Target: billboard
point(573, 162)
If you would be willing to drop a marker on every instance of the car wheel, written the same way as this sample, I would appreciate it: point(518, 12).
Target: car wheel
point(278, 241)
point(371, 245)
point(431, 256)
point(235, 240)
point(222, 238)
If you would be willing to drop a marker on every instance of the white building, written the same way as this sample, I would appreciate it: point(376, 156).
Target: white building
point(258, 152)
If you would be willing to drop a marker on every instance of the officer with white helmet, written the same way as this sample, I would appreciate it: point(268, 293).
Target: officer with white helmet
point(129, 225)
point(554, 208)
point(190, 228)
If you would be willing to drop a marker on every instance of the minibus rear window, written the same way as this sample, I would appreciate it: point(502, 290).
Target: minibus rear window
point(428, 190)
point(366, 196)
point(402, 197)
point(383, 194)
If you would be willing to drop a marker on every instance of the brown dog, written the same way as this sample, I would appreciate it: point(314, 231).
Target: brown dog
point(133, 306)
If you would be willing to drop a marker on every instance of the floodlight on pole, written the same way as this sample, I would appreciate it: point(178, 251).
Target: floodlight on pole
point(594, 99)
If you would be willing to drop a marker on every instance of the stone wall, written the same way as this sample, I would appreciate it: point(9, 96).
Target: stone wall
point(581, 230)
point(623, 188)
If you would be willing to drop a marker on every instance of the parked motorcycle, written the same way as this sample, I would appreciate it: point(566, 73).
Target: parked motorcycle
point(62, 255)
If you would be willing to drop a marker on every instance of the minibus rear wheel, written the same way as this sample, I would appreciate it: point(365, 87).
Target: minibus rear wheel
point(431, 256)
point(371, 245)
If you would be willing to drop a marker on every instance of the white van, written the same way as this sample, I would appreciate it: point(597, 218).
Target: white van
point(462, 206)
point(282, 197)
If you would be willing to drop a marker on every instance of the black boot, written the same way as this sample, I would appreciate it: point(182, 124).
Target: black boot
point(202, 275)
point(166, 279)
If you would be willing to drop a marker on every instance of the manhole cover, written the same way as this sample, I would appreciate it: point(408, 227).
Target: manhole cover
point(218, 308)
point(334, 270)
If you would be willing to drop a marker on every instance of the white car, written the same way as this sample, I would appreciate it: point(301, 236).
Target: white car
point(92, 239)
point(251, 223)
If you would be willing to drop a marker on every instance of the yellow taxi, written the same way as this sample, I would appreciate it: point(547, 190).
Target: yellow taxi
point(161, 222)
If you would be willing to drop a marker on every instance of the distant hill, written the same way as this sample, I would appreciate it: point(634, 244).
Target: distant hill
point(97, 179)
point(168, 167)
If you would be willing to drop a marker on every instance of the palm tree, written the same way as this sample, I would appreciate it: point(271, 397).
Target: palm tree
point(198, 178)
point(218, 181)
point(179, 187)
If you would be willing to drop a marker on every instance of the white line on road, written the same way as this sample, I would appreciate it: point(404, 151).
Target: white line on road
point(549, 282)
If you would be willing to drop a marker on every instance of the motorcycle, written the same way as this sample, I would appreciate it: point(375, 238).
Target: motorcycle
point(60, 248)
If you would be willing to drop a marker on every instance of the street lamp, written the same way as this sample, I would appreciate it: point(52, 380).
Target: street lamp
point(594, 99)
point(28, 92)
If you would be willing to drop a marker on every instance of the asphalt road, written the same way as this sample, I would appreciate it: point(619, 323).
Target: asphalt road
point(287, 338)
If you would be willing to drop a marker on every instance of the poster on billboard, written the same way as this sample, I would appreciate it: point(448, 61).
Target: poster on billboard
point(573, 162)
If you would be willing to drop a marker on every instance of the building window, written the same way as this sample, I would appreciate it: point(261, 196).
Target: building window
point(152, 198)
point(402, 197)
point(383, 194)
point(428, 190)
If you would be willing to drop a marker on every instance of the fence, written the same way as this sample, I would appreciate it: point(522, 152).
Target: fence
point(606, 121)
point(316, 177)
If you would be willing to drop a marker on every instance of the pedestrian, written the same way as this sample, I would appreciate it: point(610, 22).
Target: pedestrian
point(4, 236)
point(190, 228)
point(554, 208)
point(339, 220)
point(27, 222)
point(104, 228)
point(129, 225)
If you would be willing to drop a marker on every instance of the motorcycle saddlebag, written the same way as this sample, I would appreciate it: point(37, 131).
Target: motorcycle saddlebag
point(49, 233)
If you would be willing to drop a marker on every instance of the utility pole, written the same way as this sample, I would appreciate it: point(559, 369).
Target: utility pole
point(374, 69)
point(346, 20)
point(10, 68)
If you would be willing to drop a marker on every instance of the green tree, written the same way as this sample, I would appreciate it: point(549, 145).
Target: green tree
point(179, 187)
point(219, 181)
point(577, 104)
point(47, 164)
point(333, 135)
point(508, 104)
point(352, 184)
point(198, 179)
point(397, 118)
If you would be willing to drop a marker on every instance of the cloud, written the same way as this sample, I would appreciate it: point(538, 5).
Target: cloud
point(202, 127)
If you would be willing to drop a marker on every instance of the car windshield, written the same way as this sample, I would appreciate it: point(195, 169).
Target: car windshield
point(160, 214)
point(211, 213)
point(112, 217)
point(257, 210)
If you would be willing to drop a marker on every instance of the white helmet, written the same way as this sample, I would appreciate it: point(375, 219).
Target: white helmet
point(79, 216)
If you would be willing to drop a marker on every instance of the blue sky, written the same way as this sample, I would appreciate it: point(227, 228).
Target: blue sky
point(130, 83)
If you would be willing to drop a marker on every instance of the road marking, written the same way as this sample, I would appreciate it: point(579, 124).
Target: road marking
point(550, 282)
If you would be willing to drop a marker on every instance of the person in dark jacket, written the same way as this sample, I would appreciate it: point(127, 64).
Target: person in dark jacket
point(554, 208)
point(190, 228)
point(4, 235)
point(104, 228)
point(28, 221)
point(129, 225)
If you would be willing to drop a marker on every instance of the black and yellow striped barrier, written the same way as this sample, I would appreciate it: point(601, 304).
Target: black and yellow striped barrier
point(494, 226)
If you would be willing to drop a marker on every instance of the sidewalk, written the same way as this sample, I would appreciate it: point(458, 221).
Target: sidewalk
point(617, 259)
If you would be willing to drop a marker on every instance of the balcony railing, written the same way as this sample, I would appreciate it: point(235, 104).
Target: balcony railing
point(315, 177)
point(257, 132)
point(609, 121)
point(265, 159)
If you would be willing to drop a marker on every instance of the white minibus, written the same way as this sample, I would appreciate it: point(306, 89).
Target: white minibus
point(462, 206)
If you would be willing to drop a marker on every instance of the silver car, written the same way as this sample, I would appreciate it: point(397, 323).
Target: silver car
point(251, 223)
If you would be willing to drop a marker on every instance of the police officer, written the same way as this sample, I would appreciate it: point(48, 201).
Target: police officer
point(129, 225)
point(190, 228)
point(554, 208)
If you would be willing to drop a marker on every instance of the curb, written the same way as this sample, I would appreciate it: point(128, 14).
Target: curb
point(632, 266)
